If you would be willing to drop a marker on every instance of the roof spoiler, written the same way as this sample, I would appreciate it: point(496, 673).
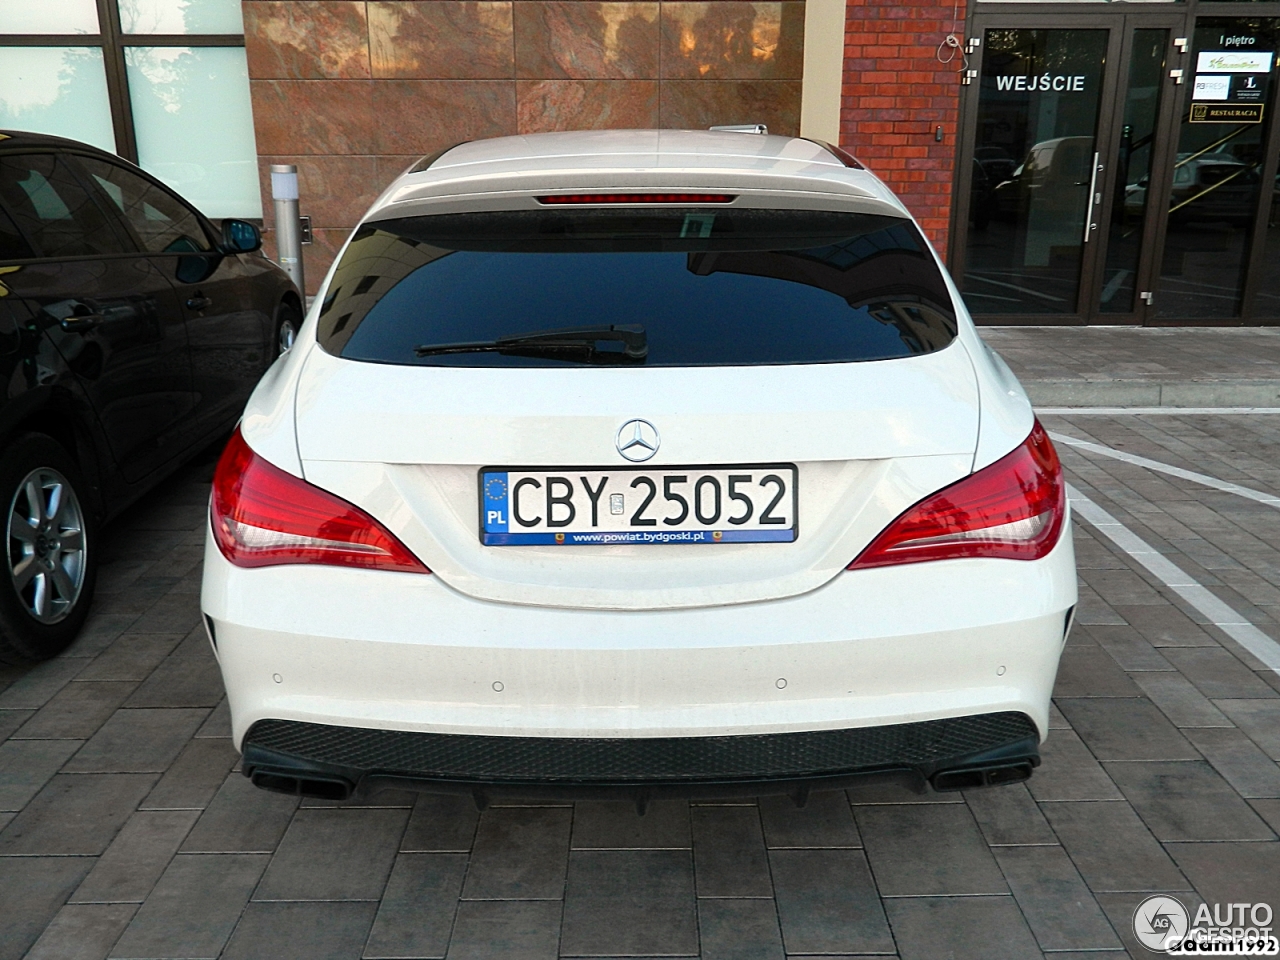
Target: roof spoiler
point(841, 154)
point(431, 158)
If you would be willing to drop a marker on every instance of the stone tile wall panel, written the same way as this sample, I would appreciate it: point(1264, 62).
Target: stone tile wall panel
point(355, 92)
point(581, 40)
point(423, 116)
point(306, 117)
point(302, 40)
point(441, 40)
point(730, 40)
point(547, 105)
point(698, 104)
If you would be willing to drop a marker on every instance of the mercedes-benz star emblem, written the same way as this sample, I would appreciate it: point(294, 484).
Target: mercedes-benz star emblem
point(637, 440)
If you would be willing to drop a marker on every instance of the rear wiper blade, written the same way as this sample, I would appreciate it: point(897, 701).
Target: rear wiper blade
point(566, 343)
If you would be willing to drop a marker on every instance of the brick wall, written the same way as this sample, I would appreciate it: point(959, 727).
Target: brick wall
point(354, 92)
point(896, 94)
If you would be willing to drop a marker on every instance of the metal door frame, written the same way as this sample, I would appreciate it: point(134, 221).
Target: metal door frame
point(1163, 153)
point(1266, 200)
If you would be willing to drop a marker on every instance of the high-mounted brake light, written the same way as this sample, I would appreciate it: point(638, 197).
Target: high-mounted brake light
point(639, 198)
point(262, 516)
point(1013, 509)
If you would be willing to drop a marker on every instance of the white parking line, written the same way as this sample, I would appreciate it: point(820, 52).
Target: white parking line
point(1172, 576)
point(1270, 499)
point(1151, 411)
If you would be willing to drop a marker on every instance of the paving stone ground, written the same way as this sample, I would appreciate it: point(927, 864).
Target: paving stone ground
point(1144, 366)
point(128, 833)
point(1144, 353)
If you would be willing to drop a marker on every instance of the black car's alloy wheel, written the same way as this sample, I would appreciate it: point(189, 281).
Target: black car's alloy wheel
point(49, 551)
point(288, 320)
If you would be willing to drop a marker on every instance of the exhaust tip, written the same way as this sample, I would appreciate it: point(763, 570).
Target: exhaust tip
point(967, 778)
point(320, 788)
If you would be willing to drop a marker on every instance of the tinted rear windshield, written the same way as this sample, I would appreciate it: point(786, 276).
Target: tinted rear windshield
point(654, 287)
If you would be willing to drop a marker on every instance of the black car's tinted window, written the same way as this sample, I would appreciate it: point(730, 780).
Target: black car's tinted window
point(708, 287)
point(54, 210)
point(161, 223)
point(13, 246)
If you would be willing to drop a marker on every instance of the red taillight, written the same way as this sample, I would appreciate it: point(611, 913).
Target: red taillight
point(639, 198)
point(263, 516)
point(1013, 509)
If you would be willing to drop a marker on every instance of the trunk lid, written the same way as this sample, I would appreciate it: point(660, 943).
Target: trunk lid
point(407, 443)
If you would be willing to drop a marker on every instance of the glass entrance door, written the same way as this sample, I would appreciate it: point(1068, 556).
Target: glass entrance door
point(1033, 179)
point(1066, 195)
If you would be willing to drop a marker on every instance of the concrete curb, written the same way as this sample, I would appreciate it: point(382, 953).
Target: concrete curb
point(1153, 393)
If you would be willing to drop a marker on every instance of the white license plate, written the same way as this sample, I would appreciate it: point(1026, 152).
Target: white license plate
point(738, 504)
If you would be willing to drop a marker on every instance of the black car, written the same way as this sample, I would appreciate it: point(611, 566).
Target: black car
point(132, 331)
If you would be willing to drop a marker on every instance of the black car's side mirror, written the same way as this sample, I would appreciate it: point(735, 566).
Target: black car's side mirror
point(240, 236)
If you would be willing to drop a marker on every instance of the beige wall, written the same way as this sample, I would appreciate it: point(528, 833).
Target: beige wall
point(823, 69)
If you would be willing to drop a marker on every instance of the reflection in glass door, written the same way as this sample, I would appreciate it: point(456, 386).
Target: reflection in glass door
point(1266, 302)
point(1130, 171)
point(1217, 174)
point(1034, 169)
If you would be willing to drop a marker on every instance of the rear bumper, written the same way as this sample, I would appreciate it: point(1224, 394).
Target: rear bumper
point(406, 653)
point(337, 762)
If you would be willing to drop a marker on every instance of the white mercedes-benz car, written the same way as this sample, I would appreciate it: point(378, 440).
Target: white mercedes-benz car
point(642, 463)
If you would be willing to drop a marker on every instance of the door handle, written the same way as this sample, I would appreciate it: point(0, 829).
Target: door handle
point(1093, 186)
point(199, 303)
point(81, 322)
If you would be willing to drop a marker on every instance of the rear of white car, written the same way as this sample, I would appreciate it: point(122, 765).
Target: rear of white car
point(642, 461)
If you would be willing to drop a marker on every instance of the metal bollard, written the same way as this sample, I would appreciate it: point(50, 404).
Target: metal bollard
point(284, 191)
